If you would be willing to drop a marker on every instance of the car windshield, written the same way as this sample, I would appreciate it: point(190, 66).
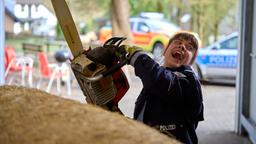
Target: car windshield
point(161, 25)
point(229, 44)
point(109, 26)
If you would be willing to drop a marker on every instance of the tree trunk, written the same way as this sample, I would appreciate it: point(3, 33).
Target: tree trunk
point(120, 19)
point(216, 30)
point(159, 6)
point(178, 16)
point(216, 23)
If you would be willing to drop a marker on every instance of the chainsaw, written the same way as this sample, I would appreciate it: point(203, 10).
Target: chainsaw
point(102, 85)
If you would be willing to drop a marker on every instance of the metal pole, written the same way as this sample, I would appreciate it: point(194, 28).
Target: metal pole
point(2, 41)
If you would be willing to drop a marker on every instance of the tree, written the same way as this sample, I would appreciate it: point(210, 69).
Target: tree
point(175, 10)
point(120, 19)
point(199, 20)
point(138, 6)
point(85, 10)
point(207, 15)
point(219, 11)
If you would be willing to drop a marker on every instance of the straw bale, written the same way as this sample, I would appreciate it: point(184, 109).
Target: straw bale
point(29, 116)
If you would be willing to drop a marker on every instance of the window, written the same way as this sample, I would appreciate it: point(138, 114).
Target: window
point(230, 43)
point(142, 27)
point(132, 25)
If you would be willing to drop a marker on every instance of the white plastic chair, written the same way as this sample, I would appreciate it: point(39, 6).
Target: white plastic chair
point(52, 72)
point(24, 65)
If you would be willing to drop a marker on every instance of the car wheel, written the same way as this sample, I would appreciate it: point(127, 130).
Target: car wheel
point(199, 74)
point(158, 51)
point(197, 71)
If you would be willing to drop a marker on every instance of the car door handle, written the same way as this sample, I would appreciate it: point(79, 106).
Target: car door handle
point(253, 55)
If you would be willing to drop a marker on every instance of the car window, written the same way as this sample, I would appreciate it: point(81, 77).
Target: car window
point(214, 48)
point(229, 44)
point(132, 25)
point(142, 27)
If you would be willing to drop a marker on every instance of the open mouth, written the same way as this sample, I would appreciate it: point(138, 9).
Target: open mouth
point(177, 55)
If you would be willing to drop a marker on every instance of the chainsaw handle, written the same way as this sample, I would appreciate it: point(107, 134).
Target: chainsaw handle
point(114, 68)
point(107, 72)
point(95, 78)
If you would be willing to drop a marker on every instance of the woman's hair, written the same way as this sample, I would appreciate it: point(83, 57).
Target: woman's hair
point(187, 37)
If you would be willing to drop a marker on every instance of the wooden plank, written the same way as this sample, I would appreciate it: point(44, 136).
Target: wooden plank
point(31, 49)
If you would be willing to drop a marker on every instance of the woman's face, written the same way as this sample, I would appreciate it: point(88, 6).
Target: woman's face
point(179, 52)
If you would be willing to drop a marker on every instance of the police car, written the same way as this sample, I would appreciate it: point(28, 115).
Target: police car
point(218, 62)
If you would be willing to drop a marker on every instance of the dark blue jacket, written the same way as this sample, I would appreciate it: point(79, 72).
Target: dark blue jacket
point(171, 99)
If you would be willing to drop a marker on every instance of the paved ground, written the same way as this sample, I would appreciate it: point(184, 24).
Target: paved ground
point(218, 127)
point(219, 101)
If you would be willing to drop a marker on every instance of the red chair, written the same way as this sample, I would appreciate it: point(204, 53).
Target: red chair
point(10, 59)
point(21, 64)
point(52, 72)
